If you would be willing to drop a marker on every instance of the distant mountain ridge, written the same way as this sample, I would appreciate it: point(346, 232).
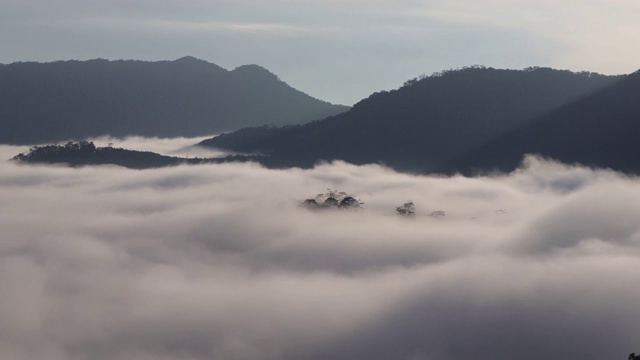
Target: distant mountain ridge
point(601, 130)
point(48, 102)
point(426, 123)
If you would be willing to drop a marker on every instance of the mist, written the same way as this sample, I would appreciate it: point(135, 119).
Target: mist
point(221, 262)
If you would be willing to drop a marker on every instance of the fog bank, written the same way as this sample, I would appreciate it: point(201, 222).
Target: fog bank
point(220, 262)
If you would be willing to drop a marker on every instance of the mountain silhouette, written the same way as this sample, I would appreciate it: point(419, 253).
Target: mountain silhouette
point(48, 102)
point(85, 153)
point(601, 130)
point(423, 125)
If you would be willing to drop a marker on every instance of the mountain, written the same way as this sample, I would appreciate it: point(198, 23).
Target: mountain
point(46, 102)
point(424, 124)
point(601, 130)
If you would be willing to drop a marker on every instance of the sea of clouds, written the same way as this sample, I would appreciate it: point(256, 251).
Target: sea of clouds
point(221, 262)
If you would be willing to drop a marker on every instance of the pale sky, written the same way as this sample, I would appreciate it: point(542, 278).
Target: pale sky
point(339, 51)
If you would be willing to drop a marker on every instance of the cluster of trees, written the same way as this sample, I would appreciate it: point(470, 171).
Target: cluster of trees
point(332, 199)
point(70, 149)
point(443, 73)
point(482, 67)
point(407, 209)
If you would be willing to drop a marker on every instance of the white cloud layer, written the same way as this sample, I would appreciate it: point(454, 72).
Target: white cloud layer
point(219, 262)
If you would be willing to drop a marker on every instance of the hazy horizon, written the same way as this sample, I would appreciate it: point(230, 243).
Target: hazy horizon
point(338, 51)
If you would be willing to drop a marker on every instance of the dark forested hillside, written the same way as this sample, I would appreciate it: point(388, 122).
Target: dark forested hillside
point(425, 123)
point(602, 130)
point(45, 102)
point(85, 153)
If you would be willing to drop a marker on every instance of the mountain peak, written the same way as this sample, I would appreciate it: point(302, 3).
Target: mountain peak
point(191, 60)
point(254, 71)
point(251, 67)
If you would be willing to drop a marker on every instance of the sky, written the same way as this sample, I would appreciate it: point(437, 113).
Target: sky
point(220, 262)
point(338, 51)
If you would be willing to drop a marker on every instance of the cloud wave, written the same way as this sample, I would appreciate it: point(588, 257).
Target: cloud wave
point(220, 262)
